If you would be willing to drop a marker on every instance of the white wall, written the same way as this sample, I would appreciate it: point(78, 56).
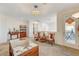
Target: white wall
point(30, 29)
point(2, 29)
point(51, 22)
point(7, 23)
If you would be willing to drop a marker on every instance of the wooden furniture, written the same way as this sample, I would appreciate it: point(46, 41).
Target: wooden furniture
point(19, 34)
point(45, 37)
point(10, 50)
point(14, 33)
point(42, 37)
point(51, 38)
point(23, 30)
point(23, 48)
point(36, 37)
point(22, 34)
point(32, 52)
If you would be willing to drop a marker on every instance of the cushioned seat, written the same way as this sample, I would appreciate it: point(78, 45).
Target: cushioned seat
point(18, 46)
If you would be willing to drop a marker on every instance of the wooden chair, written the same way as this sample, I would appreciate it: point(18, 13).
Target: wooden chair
point(42, 37)
point(51, 39)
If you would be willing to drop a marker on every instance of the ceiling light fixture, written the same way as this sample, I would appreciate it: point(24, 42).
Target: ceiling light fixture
point(35, 11)
point(76, 15)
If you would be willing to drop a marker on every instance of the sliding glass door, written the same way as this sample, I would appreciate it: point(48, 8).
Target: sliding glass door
point(70, 30)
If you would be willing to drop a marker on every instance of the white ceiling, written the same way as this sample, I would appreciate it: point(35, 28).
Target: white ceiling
point(25, 10)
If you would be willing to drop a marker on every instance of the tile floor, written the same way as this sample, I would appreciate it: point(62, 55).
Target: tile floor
point(56, 50)
point(45, 49)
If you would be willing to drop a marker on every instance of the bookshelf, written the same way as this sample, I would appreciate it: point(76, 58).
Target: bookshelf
point(23, 31)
